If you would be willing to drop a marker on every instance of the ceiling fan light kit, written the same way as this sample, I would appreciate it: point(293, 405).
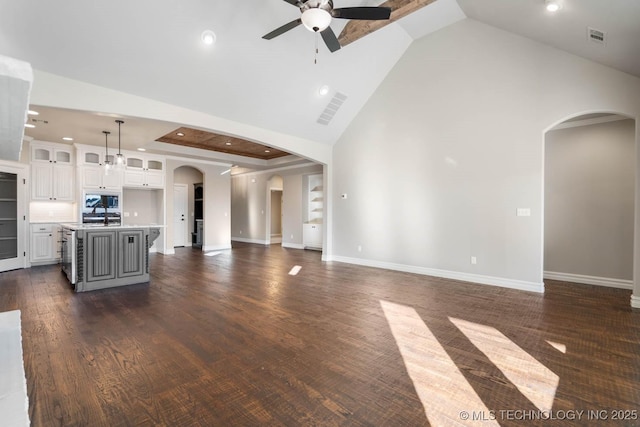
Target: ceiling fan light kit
point(316, 19)
point(317, 15)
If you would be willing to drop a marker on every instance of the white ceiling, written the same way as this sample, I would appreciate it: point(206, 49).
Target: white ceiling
point(152, 48)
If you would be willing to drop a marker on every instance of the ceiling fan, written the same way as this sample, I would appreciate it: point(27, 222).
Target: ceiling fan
point(317, 14)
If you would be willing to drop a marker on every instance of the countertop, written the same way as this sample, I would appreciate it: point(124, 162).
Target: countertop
point(77, 226)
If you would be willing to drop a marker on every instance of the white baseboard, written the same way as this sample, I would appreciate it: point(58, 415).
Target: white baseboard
point(292, 245)
point(243, 240)
point(635, 301)
point(276, 239)
point(455, 275)
point(169, 251)
point(589, 280)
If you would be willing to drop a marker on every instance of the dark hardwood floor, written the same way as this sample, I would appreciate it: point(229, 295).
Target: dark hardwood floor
point(233, 339)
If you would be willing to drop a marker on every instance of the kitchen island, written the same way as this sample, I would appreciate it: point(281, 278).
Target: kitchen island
point(105, 256)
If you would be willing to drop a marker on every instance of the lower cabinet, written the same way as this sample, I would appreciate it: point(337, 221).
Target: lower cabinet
point(115, 254)
point(312, 236)
point(131, 253)
point(45, 243)
point(101, 255)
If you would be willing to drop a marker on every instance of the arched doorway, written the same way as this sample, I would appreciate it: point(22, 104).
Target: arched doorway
point(589, 200)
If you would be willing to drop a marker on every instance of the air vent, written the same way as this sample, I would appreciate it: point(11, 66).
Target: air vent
point(332, 108)
point(596, 36)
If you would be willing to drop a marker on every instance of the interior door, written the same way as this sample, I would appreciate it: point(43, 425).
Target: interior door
point(180, 219)
point(12, 219)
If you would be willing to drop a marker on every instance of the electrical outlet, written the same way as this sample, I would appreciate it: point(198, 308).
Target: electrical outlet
point(474, 260)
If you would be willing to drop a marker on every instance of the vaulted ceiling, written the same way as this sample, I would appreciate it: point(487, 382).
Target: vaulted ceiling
point(153, 48)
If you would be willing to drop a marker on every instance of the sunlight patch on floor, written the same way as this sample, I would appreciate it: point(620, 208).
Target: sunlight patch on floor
point(534, 380)
point(212, 253)
point(560, 347)
point(295, 270)
point(441, 387)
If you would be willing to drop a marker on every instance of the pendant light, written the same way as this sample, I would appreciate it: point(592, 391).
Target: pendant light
point(120, 162)
point(107, 163)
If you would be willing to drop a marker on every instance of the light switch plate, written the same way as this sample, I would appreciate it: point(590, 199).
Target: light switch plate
point(523, 212)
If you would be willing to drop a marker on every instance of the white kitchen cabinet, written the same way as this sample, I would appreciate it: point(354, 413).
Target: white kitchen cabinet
point(93, 177)
point(60, 154)
point(92, 156)
point(52, 176)
point(312, 236)
point(45, 243)
point(144, 171)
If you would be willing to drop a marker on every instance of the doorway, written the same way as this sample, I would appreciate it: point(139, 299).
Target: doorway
point(180, 209)
point(276, 216)
point(589, 197)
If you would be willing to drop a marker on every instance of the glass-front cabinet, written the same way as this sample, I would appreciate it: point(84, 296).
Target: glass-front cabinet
point(144, 171)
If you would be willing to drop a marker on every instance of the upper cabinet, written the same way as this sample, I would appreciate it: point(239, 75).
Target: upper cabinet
point(91, 171)
point(59, 154)
point(144, 171)
point(52, 176)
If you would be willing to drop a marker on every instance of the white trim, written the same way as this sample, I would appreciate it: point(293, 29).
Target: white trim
point(195, 160)
point(292, 245)
point(589, 280)
point(635, 301)
point(215, 248)
point(587, 122)
point(454, 275)
point(242, 239)
point(169, 251)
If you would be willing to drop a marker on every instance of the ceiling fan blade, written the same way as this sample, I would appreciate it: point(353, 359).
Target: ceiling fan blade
point(330, 39)
point(286, 27)
point(293, 2)
point(368, 13)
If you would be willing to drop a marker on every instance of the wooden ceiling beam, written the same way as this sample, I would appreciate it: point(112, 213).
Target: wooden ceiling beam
point(356, 29)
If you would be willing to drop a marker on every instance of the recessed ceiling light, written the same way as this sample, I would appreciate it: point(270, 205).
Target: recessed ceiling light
point(208, 37)
point(142, 149)
point(67, 138)
point(180, 134)
point(227, 143)
point(267, 151)
point(29, 125)
point(553, 5)
point(33, 113)
point(323, 90)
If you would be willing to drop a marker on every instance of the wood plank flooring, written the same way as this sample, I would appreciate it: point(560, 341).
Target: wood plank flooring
point(234, 340)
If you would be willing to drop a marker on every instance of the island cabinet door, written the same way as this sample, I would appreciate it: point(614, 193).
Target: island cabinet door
point(101, 255)
point(131, 253)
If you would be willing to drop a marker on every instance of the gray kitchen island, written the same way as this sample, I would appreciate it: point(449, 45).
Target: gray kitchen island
point(105, 256)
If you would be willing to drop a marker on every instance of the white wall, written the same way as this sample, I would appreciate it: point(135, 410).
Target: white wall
point(217, 205)
point(451, 144)
point(589, 200)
